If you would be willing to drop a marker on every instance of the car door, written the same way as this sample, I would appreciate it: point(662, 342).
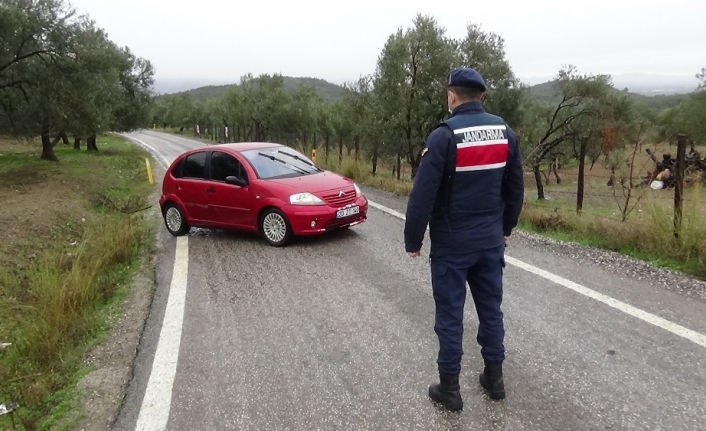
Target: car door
point(191, 187)
point(232, 204)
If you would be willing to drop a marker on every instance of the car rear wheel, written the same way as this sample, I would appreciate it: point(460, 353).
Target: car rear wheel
point(275, 228)
point(174, 220)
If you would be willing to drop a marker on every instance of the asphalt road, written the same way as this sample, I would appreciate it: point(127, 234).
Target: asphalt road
point(337, 333)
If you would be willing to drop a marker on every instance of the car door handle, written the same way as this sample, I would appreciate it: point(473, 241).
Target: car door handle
point(211, 190)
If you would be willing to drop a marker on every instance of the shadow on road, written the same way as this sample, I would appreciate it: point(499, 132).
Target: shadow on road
point(255, 240)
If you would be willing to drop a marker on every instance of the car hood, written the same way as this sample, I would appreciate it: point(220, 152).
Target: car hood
point(315, 183)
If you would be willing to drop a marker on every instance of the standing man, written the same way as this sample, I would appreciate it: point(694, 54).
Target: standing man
point(470, 189)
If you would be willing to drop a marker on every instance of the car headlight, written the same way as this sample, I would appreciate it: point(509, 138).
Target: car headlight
point(305, 199)
point(358, 193)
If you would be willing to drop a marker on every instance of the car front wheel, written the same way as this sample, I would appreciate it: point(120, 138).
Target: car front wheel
point(275, 228)
point(174, 220)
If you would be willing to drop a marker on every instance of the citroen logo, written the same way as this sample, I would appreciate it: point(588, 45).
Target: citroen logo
point(341, 193)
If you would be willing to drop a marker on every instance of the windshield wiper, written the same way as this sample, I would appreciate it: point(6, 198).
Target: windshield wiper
point(294, 156)
point(289, 165)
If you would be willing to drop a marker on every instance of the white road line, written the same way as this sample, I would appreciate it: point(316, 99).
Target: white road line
point(665, 324)
point(387, 210)
point(156, 404)
point(681, 331)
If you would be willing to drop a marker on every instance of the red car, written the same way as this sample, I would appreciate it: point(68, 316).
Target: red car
point(260, 187)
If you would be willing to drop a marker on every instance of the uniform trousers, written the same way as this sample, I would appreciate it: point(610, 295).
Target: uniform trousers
point(482, 271)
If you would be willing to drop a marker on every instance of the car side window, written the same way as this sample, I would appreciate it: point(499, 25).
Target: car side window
point(224, 165)
point(195, 166)
point(177, 171)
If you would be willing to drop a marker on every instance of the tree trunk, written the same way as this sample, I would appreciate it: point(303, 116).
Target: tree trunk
point(415, 164)
point(91, 143)
point(375, 156)
point(538, 180)
point(399, 166)
point(47, 148)
point(326, 143)
point(357, 148)
point(258, 132)
point(593, 161)
point(581, 181)
point(555, 168)
point(64, 138)
point(77, 143)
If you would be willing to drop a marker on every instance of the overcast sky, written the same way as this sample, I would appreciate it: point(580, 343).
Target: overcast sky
point(221, 40)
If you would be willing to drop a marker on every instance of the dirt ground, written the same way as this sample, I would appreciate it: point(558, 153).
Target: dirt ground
point(31, 203)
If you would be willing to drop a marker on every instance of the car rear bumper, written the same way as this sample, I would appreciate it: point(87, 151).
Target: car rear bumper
point(312, 220)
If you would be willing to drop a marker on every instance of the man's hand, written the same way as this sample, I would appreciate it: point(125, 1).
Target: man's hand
point(414, 253)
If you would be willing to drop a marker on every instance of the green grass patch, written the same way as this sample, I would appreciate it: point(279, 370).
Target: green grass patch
point(78, 231)
point(647, 236)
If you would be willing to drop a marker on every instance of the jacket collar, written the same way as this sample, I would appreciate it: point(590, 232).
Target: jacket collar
point(474, 107)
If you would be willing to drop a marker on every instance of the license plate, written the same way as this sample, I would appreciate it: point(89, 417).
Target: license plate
point(347, 212)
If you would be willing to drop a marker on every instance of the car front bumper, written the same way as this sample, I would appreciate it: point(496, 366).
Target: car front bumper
point(316, 219)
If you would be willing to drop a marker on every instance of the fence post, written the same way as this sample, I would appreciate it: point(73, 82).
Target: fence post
point(581, 181)
point(679, 184)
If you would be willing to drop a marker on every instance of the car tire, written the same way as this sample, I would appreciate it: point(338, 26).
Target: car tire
point(275, 227)
point(174, 220)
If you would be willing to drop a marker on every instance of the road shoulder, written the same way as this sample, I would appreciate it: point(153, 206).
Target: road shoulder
point(103, 390)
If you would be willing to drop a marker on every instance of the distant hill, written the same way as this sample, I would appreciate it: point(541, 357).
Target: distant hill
point(328, 91)
point(548, 92)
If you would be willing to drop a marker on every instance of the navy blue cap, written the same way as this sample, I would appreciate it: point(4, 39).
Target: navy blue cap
point(465, 77)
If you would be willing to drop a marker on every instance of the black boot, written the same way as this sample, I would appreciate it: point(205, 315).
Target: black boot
point(492, 381)
point(447, 393)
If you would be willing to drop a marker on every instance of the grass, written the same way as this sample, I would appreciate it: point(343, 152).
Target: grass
point(648, 236)
point(74, 238)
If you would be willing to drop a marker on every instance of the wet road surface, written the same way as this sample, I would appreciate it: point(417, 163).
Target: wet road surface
point(336, 333)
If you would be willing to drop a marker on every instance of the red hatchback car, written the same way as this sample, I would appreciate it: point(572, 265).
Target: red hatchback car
point(260, 187)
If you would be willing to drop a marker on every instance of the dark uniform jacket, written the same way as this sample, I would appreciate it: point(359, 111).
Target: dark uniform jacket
point(469, 187)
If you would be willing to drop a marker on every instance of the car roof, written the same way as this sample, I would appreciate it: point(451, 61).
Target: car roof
point(237, 147)
point(233, 146)
point(246, 146)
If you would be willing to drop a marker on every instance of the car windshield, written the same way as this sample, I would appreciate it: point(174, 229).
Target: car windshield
point(280, 162)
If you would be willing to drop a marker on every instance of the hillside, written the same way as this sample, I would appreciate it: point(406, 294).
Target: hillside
point(328, 91)
point(546, 92)
point(549, 92)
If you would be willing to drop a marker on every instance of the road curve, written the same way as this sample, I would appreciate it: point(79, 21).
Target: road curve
point(337, 333)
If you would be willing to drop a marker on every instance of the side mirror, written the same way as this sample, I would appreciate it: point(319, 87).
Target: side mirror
point(236, 181)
